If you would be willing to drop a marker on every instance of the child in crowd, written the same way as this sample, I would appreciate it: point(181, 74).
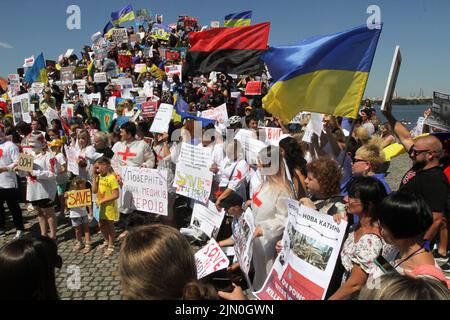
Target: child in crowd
point(106, 186)
point(62, 178)
point(79, 219)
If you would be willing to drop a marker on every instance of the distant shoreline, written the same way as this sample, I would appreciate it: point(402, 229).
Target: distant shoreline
point(406, 101)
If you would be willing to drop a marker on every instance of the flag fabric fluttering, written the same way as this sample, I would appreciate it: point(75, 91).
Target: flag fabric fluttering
point(181, 105)
point(38, 72)
point(238, 19)
point(108, 29)
point(125, 14)
point(228, 50)
point(323, 74)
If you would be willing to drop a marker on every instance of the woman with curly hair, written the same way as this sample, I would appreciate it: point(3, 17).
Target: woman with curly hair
point(322, 183)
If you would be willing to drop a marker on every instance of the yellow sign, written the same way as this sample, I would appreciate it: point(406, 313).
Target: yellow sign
point(79, 198)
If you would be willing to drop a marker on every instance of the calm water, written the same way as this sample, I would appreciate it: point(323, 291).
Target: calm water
point(407, 114)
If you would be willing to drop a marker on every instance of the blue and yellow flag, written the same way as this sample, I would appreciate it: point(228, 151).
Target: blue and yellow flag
point(108, 29)
point(238, 19)
point(38, 72)
point(126, 14)
point(324, 74)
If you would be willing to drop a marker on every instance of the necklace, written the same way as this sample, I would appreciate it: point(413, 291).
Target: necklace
point(416, 252)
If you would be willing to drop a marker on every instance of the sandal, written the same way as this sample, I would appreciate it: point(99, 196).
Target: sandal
point(102, 246)
point(87, 248)
point(78, 246)
point(109, 252)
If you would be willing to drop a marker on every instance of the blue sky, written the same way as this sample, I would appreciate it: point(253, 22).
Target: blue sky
point(420, 27)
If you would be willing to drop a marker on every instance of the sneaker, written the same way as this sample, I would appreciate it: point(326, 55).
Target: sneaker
point(19, 235)
point(438, 257)
point(446, 267)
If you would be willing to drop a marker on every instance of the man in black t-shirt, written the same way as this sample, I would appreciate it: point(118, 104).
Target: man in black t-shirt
point(426, 177)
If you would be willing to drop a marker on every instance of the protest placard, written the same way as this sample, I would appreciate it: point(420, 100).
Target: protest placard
point(14, 83)
point(81, 85)
point(311, 246)
point(253, 88)
point(207, 219)
point(95, 209)
point(215, 24)
point(100, 77)
point(440, 112)
point(37, 87)
point(67, 75)
point(273, 135)
point(149, 109)
point(72, 160)
point(173, 70)
point(67, 110)
point(21, 108)
point(144, 190)
point(172, 55)
point(112, 103)
point(243, 245)
point(140, 67)
point(148, 52)
point(119, 36)
point(392, 80)
point(250, 145)
point(192, 176)
point(28, 62)
point(25, 162)
point(210, 259)
point(79, 198)
point(220, 114)
point(162, 119)
point(94, 97)
point(125, 61)
point(196, 82)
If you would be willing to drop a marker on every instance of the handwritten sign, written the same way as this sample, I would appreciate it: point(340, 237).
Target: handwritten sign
point(144, 190)
point(120, 36)
point(100, 77)
point(173, 70)
point(162, 119)
point(25, 162)
point(273, 135)
point(79, 198)
point(210, 259)
point(192, 176)
point(253, 88)
point(220, 114)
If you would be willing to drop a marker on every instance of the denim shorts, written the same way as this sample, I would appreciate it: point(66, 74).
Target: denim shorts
point(76, 222)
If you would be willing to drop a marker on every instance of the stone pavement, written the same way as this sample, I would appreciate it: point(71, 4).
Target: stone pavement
point(82, 276)
point(92, 277)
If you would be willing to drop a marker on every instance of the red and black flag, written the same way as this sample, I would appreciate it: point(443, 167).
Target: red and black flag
point(228, 50)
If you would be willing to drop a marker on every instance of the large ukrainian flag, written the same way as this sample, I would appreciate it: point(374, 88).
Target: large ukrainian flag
point(324, 74)
point(38, 72)
point(238, 19)
point(126, 14)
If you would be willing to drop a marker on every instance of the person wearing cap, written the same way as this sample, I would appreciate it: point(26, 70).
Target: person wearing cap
point(62, 177)
point(48, 102)
point(9, 155)
point(233, 206)
point(41, 183)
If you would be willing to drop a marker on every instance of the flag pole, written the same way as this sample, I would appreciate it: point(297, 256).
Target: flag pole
point(347, 141)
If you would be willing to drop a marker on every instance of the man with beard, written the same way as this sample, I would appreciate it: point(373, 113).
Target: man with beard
point(426, 177)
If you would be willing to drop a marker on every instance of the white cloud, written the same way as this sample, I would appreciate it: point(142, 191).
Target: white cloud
point(5, 45)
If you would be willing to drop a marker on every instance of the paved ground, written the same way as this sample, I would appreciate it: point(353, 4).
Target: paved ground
point(90, 276)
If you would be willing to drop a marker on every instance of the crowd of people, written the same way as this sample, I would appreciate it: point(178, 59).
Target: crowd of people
point(338, 172)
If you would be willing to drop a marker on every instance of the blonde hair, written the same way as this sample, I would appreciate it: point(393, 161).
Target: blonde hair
point(362, 134)
point(77, 184)
point(398, 287)
point(156, 262)
point(372, 153)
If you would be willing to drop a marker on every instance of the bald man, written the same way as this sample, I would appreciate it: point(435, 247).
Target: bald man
point(426, 177)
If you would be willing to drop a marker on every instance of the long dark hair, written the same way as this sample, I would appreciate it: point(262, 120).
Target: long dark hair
point(293, 155)
point(27, 269)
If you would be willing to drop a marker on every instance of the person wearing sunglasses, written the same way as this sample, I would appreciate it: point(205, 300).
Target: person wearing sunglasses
point(426, 177)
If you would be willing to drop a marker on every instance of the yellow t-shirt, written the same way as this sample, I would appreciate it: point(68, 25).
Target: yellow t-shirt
point(106, 185)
